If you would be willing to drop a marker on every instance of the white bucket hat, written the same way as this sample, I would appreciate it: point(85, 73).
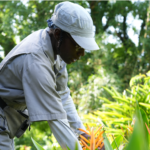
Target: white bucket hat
point(75, 20)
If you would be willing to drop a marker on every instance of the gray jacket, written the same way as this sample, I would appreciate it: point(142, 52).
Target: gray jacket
point(30, 77)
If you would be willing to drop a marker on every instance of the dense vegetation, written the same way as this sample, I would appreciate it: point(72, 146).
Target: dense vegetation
point(103, 76)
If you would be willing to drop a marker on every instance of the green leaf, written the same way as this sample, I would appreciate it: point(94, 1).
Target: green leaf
point(109, 91)
point(115, 92)
point(144, 116)
point(139, 94)
point(117, 119)
point(107, 143)
point(122, 99)
point(111, 113)
point(143, 90)
point(76, 147)
point(145, 120)
point(131, 93)
point(116, 108)
point(147, 97)
point(131, 99)
point(105, 99)
point(117, 141)
point(136, 79)
point(38, 146)
point(145, 105)
point(137, 140)
point(112, 130)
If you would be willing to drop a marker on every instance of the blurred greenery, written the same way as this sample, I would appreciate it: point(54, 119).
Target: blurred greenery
point(38, 146)
point(128, 108)
point(138, 140)
point(104, 84)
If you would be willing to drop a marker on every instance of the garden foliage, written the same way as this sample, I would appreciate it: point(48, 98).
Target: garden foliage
point(125, 118)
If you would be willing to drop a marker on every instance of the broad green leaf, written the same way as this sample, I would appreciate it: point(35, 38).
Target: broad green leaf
point(107, 143)
point(117, 141)
point(145, 120)
point(137, 140)
point(144, 117)
point(76, 147)
point(38, 146)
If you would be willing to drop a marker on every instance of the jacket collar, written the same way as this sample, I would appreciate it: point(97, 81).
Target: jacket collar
point(47, 45)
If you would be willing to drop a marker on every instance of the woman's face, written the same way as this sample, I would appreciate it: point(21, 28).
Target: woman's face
point(69, 50)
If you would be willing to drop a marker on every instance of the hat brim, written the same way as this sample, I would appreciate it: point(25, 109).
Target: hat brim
point(86, 43)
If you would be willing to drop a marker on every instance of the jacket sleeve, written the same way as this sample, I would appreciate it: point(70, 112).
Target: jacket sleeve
point(64, 92)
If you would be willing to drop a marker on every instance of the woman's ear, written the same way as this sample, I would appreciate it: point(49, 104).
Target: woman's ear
point(57, 33)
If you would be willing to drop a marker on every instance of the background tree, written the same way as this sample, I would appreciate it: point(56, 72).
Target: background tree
point(125, 56)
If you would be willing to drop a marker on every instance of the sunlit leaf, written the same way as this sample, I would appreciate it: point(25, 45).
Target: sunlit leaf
point(105, 99)
point(137, 140)
point(136, 79)
point(115, 91)
point(107, 143)
point(145, 120)
point(122, 99)
point(145, 105)
point(131, 99)
point(112, 113)
point(109, 91)
point(38, 146)
point(117, 141)
point(142, 90)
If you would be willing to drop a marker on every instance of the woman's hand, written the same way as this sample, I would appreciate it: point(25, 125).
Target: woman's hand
point(86, 136)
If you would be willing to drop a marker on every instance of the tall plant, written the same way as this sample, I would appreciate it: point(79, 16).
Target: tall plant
point(138, 140)
point(118, 115)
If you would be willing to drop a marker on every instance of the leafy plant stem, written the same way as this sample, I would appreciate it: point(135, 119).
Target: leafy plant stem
point(115, 142)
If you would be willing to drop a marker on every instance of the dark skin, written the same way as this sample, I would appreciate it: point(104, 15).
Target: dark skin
point(67, 50)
